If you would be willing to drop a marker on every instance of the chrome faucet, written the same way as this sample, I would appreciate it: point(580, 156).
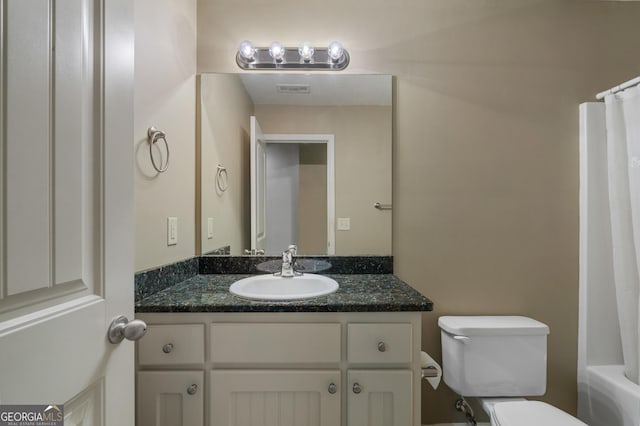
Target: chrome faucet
point(288, 260)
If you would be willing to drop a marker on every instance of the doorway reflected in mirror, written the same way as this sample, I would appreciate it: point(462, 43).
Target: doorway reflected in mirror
point(356, 110)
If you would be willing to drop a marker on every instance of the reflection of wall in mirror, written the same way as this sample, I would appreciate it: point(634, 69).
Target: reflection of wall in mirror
point(313, 199)
point(224, 139)
point(297, 201)
point(362, 164)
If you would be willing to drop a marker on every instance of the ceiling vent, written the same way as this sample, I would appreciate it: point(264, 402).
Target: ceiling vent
point(296, 89)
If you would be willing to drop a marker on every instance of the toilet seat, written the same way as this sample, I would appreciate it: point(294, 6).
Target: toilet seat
point(531, 413)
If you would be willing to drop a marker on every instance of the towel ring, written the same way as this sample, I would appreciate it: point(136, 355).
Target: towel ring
point(222, 178)
point(154, 136)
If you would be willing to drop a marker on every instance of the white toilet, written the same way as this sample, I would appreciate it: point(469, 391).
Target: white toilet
point(500, 359)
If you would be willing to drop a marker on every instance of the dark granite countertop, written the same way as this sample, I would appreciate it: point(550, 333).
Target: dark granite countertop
point(357, 293)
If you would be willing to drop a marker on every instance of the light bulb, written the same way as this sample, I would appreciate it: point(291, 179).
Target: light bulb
point(306, 51)
point(335, 51)
point(247, 50)
point(277, 51)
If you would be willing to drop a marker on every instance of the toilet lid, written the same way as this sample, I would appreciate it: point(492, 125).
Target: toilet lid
point(532, 413)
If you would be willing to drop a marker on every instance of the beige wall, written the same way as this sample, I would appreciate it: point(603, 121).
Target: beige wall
point(224, 123)
point(313, 199)
point(165, 61)
point(362, 137)
point(485, 159)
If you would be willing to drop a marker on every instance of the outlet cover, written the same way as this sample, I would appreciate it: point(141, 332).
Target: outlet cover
point(209, 228)
point(344, 223)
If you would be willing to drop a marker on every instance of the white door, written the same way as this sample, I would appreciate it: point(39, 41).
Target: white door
point(66, 207)
point(258, 187)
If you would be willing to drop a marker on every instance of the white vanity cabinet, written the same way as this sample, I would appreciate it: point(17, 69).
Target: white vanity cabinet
point(384, 395)
point(317, 369)
point(170, 380)
point(275, 373)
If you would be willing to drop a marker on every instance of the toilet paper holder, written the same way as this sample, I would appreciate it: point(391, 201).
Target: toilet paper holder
point(429, 371)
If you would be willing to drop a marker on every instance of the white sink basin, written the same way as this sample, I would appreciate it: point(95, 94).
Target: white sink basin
point(270, 287)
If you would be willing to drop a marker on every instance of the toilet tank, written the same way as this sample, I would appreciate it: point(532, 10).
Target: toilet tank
point(497, 356)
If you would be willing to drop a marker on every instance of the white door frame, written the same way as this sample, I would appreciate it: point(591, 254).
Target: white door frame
point(327, 139)
point(258, 154)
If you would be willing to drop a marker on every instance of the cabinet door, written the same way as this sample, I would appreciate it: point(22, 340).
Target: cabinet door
point(275, 398)
point(380, 398)
point(170, 398)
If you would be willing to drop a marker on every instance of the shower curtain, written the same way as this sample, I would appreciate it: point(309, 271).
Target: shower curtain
point(622, 111)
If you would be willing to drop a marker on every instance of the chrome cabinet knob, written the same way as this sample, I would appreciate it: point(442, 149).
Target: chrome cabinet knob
point(121, 328)
point(167, 348)
point(357, 388)
point(382, 347)
point(191, 390)
point(332, 388)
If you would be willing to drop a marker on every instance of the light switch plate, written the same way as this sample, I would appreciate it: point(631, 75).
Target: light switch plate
point(172, 231)
point(209, 228)
point(344, 223)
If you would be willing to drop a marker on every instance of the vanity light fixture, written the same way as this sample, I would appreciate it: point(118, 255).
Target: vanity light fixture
point(304, 57)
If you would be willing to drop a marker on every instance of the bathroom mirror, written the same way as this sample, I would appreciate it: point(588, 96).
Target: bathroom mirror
point(321, 163)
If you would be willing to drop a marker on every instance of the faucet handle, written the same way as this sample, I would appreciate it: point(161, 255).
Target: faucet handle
point(293, 249)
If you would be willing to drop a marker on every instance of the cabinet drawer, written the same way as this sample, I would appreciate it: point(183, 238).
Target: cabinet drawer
point(275, 344)
point(379, 343)
point(172, 344)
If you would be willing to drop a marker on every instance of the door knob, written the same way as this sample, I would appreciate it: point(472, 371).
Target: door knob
point(357, 388)
point(191, 390)
point(121, 328)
